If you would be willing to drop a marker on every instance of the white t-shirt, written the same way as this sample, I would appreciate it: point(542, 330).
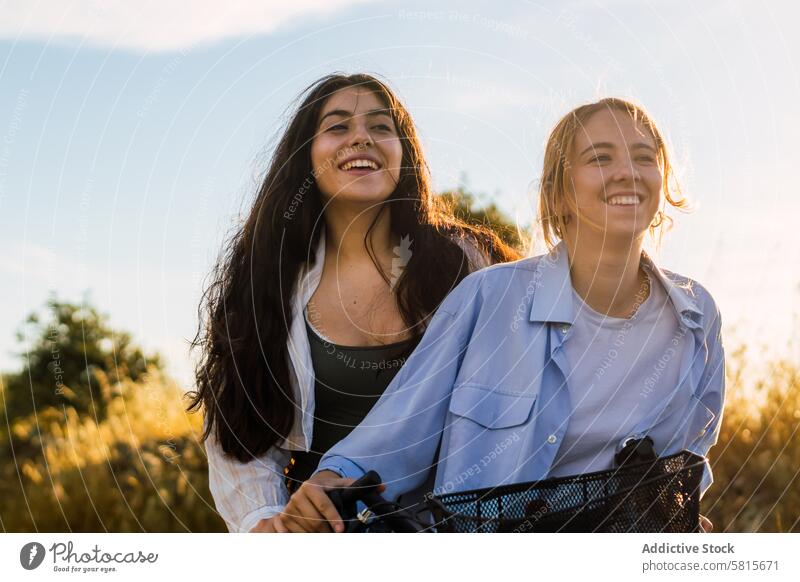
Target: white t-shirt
point(616, 364)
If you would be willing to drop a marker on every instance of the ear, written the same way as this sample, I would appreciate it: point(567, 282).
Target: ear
point(563, 208)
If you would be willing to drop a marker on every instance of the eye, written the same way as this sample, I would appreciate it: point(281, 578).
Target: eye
point(647, 159)
point(382, 127)
point(600, 158)
point(337, 127)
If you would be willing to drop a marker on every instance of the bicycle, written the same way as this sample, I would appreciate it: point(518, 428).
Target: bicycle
point(644, 494)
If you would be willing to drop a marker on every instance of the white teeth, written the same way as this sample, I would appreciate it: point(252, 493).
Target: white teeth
point(360, 164)
point(619, 200)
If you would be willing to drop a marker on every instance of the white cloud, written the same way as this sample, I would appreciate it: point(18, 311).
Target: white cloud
point(155, 26)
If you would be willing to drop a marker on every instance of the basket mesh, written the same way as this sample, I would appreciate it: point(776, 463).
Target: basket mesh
point(658, 496)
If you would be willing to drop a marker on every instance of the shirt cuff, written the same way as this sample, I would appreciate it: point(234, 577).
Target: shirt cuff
point(341, 465)
point(251, 519)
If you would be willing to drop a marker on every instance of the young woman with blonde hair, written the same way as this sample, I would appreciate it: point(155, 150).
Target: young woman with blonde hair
point(549, 366)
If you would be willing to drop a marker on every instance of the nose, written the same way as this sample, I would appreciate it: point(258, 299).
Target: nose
point(625, 170)
point(360, 135)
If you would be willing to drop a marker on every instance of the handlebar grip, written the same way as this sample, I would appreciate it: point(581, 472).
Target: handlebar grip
point(359, 487)
point(345, 498)
point(365, 490)
point(369, 478)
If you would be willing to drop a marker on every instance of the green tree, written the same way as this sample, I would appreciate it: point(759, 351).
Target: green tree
point(63, 353)
point(465, 206)
point(110, 447)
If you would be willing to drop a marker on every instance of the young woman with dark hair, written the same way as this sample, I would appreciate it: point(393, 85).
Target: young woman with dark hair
point(321, 294)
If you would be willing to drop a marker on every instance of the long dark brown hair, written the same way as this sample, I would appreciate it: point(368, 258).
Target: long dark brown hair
point(245, 315)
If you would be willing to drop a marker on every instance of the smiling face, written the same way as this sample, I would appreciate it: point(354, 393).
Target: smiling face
point(356, 153)
point(614, 176)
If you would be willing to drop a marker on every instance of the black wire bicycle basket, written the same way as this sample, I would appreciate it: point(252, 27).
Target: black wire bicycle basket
point(662, 495)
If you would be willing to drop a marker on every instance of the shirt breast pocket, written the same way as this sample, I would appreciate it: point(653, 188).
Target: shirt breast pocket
point(485, 436)
point(482, 412)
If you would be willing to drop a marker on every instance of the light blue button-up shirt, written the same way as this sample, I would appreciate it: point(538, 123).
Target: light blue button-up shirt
point(484, 401)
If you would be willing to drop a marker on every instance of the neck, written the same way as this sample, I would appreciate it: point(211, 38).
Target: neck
point(346, 227)
point(607, 273)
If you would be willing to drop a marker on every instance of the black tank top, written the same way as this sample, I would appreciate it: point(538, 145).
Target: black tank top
point(348, 381)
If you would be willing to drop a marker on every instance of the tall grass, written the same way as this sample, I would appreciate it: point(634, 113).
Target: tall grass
point(140, 469)
point(756, 461)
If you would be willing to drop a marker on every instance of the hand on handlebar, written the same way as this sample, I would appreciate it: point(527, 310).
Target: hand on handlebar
point(270, 525)
point(705, 524)
point(310, 509)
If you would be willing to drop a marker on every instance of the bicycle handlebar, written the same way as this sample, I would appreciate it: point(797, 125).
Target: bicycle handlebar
point(346, 497)
point(365, 490)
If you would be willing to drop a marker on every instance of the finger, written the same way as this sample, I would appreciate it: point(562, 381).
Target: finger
point(325, 507)
point(263, 526)
point(278, 525)
point(706, 524)
point(303, 512)
point(289, 520)
point(293, 526)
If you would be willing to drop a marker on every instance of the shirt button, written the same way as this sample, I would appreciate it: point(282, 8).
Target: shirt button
point(552, 439)
point(564, 329)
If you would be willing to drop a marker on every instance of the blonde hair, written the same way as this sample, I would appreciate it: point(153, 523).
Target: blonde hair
point(554, 172)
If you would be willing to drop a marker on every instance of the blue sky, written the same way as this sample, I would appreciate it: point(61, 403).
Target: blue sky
point(132, 134)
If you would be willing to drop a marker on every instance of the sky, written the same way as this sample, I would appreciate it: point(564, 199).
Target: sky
point(132, 134)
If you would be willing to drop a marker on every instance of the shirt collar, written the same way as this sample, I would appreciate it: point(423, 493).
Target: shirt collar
point(552, 296)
